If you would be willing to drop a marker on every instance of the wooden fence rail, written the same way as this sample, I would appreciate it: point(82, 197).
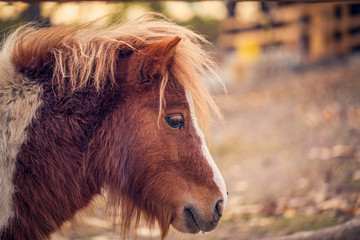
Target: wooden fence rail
point(319, 30)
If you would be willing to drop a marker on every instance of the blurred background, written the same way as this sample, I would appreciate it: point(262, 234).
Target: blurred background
point(288, 147)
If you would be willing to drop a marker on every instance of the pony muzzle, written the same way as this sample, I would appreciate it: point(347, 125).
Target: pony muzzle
point(194, 219)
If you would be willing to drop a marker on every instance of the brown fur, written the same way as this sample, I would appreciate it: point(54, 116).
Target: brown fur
point(103, 128)
point(85, 55)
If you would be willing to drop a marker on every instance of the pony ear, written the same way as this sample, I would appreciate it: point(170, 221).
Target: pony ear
point(155, 58)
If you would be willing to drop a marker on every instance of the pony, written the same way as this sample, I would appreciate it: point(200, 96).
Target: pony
point(116, 111)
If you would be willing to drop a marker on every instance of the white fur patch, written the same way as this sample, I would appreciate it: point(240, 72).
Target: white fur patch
point(218, 179)
point(19, 99)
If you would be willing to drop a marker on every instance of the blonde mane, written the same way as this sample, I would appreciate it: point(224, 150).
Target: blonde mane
point(87, 55)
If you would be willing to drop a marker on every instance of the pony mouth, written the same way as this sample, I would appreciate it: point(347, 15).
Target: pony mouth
point(190, 220)
point(195, 222)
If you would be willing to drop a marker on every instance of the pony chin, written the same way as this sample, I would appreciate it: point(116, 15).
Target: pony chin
point(129, 217)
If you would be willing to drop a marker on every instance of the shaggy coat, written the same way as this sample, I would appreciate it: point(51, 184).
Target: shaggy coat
point(82, 111)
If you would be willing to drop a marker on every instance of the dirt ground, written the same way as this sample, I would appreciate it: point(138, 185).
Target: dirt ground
point(288, 150)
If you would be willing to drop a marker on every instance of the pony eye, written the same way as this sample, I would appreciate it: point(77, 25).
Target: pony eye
point(175, 120)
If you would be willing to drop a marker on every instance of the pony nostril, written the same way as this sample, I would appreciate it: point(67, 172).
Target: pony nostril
point(219, 208)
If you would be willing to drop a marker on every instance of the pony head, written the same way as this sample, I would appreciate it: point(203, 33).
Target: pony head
point(167, 171)
point(118, 109)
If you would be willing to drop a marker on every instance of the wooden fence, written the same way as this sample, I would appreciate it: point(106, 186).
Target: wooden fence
point(317, 30)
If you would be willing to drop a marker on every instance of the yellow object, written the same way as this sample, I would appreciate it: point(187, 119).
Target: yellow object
point(248, 51)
